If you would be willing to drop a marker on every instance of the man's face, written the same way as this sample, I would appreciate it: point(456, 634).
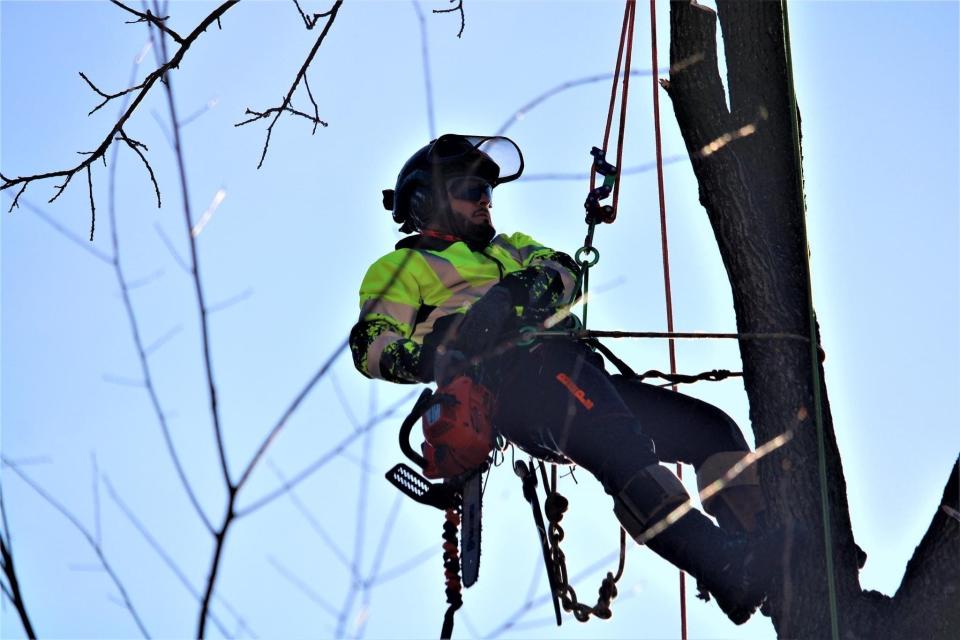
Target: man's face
point(470, 201)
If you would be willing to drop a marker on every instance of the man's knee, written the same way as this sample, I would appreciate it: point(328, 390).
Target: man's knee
point(646, 498)
point(730, 490)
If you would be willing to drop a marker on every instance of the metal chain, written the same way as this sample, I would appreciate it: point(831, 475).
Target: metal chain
point(555, 505)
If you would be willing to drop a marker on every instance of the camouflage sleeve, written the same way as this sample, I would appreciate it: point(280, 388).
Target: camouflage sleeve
point(381, 342)
point(549, 280)
point(380, 352)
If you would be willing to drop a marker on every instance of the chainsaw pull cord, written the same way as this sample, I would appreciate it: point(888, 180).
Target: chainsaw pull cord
point(451, 569)
point(555, 505)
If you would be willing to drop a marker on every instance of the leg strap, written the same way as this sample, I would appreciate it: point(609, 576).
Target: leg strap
point(651, 493)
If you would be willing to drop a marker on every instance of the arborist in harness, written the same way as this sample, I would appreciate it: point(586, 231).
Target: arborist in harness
point(451, 299)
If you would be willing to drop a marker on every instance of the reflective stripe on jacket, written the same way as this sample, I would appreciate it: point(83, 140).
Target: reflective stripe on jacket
point(411, 298)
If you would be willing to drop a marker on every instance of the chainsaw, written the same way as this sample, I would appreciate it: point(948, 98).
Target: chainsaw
point(459, 438)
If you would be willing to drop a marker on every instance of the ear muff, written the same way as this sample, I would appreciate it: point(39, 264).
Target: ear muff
point(419, 207)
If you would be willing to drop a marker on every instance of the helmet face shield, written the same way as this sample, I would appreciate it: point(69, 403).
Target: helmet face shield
point(495, 158)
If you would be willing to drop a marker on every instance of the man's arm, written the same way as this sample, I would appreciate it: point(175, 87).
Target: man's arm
point(380, 341)
point(548, 279)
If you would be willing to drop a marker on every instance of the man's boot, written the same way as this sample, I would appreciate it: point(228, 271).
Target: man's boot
point(732, 570)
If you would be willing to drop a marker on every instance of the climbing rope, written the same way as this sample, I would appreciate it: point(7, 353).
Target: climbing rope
point(812, 315)
point(587, 255)
point(665, 252)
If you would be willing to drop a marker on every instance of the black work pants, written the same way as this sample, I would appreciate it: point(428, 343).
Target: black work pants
point(556, 401)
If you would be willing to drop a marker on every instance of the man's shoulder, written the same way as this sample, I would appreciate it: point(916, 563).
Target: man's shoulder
point(517, 239)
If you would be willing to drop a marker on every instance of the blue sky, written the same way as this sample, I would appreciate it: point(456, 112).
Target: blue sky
point(877, 84)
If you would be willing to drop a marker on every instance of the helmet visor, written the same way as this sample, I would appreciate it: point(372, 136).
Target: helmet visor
point(497, 159)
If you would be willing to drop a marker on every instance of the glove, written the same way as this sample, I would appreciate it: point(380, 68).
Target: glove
point(447, 365)
point(484, 322)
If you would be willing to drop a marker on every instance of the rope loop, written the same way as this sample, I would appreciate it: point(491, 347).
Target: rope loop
point(587, 250)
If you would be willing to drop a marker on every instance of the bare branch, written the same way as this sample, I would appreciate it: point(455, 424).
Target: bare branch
point(136, 146)
point(302, 586)
point(427, 79)
point(107, 97)
point(285, 105)
point(325, 458)
point(86, 534)
point(142, 352)
point(173, 251)
point(314, 523)
point(195, 272)
point(316, 110)
point(6, 564)
point(289, 412)
point(310, 21)
point(66, 233)
point(231, 301)
point(144, 89)
point(156, 546)
point(459, 8)
point(93, 208)
point(159, 23)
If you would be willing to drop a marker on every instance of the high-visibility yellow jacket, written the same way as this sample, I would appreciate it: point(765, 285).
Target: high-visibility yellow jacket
point(411, 300)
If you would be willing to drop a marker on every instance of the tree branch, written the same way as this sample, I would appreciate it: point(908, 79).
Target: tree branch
point(459, 7)
point(159, 23)
point(88, 536)
point(285, 104)
point(144, 89)
point(9, 570)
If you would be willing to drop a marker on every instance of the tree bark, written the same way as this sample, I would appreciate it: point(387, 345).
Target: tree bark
point(744, 157)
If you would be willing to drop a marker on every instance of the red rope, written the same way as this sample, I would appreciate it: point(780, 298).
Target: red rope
point(631, 11)
point(613, 92)
point(665, 250)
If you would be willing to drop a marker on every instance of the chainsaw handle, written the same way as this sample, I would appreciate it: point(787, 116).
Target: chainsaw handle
point(418, 408)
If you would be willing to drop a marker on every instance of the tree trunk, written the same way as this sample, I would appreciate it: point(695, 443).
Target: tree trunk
point(744, 157)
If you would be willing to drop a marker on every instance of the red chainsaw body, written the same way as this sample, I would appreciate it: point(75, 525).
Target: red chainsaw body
point(457, 429)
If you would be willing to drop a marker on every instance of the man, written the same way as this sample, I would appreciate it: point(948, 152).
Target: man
point(453, 296)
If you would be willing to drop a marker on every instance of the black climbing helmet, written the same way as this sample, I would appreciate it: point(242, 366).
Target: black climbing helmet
point(422, 180)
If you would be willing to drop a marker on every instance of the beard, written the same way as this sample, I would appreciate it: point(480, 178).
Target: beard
point(477, 235)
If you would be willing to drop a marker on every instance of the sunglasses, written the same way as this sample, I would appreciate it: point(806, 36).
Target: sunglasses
point(471, 189)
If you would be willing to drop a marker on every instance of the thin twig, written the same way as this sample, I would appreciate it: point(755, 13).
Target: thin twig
point(314, 523)
point(265, 443)
point(285, 105)
point(90, 539)
point(521, 112)
point(325, 458)
point(9, 570)
point(66, 233)
point(231, 301)
point(427, 78)
point(302, 586)
point(459, 7)
point(142, 353)
point(144, 89)
point(195, 272)
point(159, 23)
point(310, 21)
point(136, 146)
point(156, 546)
point(173, 251)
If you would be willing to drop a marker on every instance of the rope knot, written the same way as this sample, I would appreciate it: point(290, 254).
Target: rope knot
point(556, 505)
